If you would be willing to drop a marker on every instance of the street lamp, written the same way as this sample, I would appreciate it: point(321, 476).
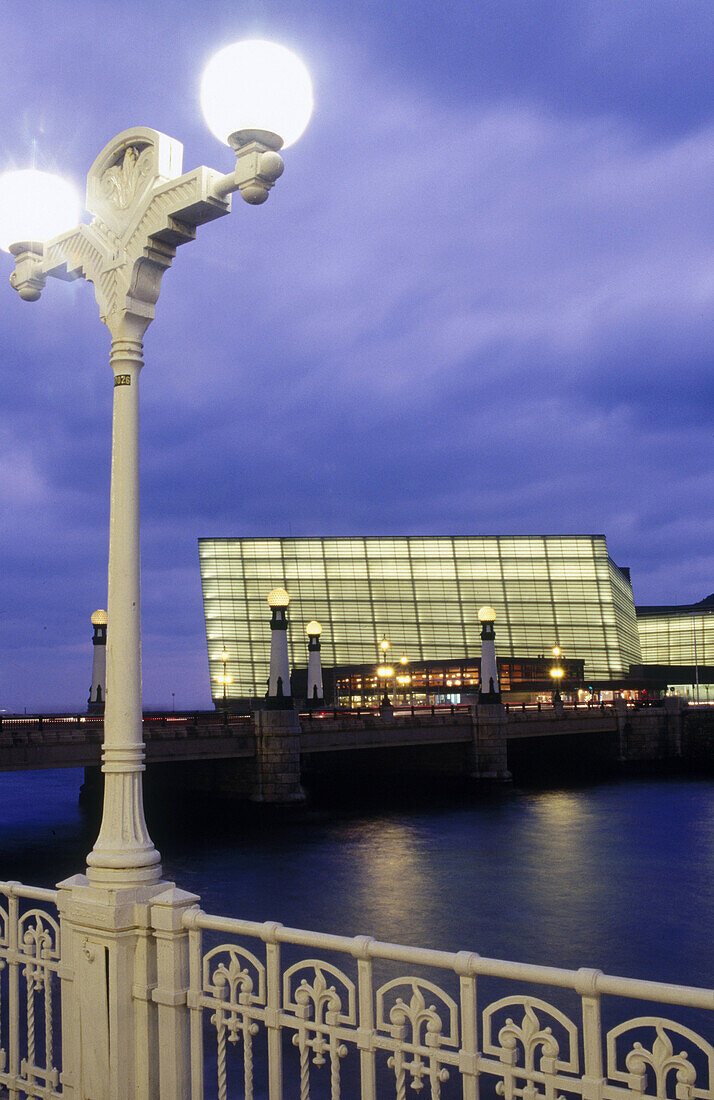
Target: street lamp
point(224, 679)
point(143, 208)
point(385, 673)
point(556, 673)
point(384, 670)
point(403, 678)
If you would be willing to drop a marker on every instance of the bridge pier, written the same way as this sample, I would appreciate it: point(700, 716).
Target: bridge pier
point(653, 733)
point(489, 749)
point(277, 757)
point(92, 787)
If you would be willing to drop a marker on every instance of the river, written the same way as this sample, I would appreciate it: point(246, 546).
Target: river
point(616, 874)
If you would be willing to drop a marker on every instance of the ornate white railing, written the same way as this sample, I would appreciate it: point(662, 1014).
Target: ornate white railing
point(30, 953)
point(269, 1019)
point(279, 1013)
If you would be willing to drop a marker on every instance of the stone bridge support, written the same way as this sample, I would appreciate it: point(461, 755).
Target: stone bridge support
point(277, 757)
point(489, 748)
point(653, 733)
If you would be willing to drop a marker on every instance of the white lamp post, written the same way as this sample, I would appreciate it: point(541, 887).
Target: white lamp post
point(97, 691)
point(279, 696)
point(315, 695)
point(490, 690)
point(257, 97)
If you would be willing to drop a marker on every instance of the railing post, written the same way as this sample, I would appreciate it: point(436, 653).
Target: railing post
point(272, 1013)
point(170, 994)
point(365, 1033)
point(71, 1053)
point(593, 1080)
point(195, 958)
point(13, 912)
point(469, 1052)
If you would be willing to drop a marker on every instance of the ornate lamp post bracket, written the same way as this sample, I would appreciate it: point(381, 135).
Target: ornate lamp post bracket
point(143, 210)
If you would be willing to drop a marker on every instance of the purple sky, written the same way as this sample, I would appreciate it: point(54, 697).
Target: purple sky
point(478, 301)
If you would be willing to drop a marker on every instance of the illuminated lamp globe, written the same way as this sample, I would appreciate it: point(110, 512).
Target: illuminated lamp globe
point(256, 90)
point(278, 597)
point(35, 207)
point(313, 629)
point(487, 615)
point(99, 618)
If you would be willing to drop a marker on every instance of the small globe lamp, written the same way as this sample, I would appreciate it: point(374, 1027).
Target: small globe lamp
point(278, 597)
point(35, 207)
point(257, 97)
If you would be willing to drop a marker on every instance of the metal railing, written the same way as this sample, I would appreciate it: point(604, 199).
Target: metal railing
point(30, 954)
point(41, 721)
point(280, 1013)
point(270, 1019)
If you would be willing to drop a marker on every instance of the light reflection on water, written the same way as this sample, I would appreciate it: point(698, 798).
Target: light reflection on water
point(617, 875)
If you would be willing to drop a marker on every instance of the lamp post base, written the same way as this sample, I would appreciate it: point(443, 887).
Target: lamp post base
point(127, 943)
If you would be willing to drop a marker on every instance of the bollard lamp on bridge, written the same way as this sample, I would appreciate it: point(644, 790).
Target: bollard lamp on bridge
point(315, 692)
point(278, 696)
point(257, 97)
point(490, 690)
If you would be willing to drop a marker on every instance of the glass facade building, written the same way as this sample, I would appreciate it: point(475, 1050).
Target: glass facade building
point(423, 594)
point(681, 635)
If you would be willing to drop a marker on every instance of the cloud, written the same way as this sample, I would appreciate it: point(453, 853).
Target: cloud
point(451, 315)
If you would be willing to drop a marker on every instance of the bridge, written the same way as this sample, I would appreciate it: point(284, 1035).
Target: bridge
point(270, 757)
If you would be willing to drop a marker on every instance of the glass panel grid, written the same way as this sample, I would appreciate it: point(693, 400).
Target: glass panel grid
point(423, 594)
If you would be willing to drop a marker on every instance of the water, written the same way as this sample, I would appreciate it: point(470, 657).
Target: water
point(617, 875)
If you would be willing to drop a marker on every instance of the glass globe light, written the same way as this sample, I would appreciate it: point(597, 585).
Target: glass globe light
point(99, 618)
point(278, 597)
point(487, 615)
point(35, 207)
point(313, 629)
point(256, 86)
